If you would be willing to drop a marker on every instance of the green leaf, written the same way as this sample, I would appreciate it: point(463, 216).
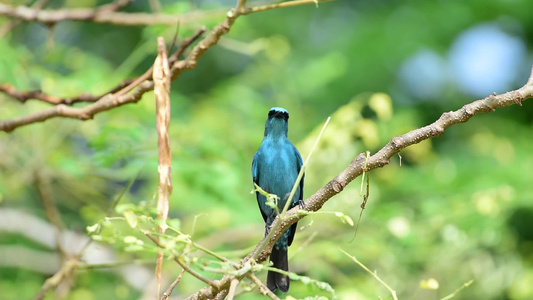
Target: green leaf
point(131, 218)
point(93, 229)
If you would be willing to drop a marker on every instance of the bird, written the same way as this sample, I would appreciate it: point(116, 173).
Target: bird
point(275, 169)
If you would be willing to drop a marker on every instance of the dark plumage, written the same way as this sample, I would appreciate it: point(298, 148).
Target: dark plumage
point(275, 168)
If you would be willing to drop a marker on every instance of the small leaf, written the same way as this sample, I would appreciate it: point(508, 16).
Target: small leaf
point(130, 239)
point(97, 237)
point(174, 224)
point(344, 218)
point(93, 229)
point(122, 207)
point(134, 248)
point(131, 218)
point(347, 219)
point(430, 284)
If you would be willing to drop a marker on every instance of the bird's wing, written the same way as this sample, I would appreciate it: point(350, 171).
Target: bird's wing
point(299, 167)
point(255, 176)
point(254, 169)
point(299, 163)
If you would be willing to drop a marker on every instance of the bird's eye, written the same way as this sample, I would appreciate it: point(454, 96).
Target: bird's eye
point(278, 114)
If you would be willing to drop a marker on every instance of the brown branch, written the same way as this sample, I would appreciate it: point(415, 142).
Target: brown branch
point(161, 77)
point(115, 5)
point(250, 10)
point(173, 58)
point(110, 101)
point(101, 14)
point(104, 103)
point(85, 113)
point(122, 88)
point(14, 22)
point(155, 5)
point(361, 164)
point(23, 96)
point(168, 292)
point(52, 214)
point(67, 270)
point(263, 289)
point(182, 264)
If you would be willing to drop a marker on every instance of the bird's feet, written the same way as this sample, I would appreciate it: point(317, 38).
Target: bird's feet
point(267, 229)
point(301, 203)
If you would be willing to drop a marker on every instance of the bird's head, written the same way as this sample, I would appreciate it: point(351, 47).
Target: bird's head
point(277, 122)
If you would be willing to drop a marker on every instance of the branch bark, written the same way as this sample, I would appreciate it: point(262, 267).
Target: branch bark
point(161, 77)
point(102, 14)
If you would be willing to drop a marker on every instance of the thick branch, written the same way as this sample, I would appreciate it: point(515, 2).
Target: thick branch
point(360, 164)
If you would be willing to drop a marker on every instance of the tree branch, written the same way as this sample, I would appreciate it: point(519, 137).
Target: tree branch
point(161, 77)
point(110, 101)
point(168, 292)
point(255, 9)
point(23, 96)
point(102, 14)
point(182, 264)
point(121, 89)
point(38, 5)
point(361, 164)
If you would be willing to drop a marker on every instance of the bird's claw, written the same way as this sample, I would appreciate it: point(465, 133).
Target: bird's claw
point(267, 229)
point(301, 203)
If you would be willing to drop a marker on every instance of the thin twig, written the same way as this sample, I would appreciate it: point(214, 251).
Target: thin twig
point(107, 102)
point(114, 6)
point(232, 288)
point(122, 88)
point(262, 287)
point(67, 270)
point(462, 287)
point(173, 58)
point(255, 9)
point(101, 14)
point(168, 292)
point(182, 264)
point(374, 274)
point(52, 214)
point(38, 5)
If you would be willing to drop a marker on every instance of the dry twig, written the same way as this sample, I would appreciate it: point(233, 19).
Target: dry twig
point(168, 292)
point(161, 77)
point(102, 14)
point(104, 103)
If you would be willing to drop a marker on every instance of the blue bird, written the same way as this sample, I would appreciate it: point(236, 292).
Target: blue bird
point(275, 169)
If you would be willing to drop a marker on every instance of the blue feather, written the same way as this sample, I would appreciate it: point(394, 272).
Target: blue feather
point(275, 168)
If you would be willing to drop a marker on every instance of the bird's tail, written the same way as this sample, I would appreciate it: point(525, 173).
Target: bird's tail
point(275, 280)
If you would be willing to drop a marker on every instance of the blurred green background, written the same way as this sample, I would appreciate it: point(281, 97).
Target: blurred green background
point(459, 208)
